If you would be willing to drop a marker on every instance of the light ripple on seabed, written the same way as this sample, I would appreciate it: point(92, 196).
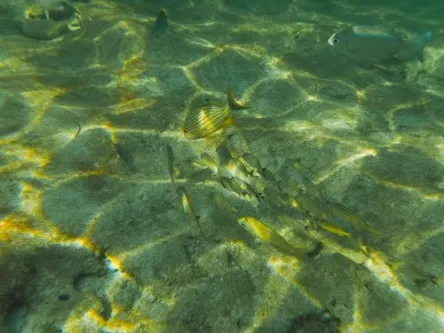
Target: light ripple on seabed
point(114, 168)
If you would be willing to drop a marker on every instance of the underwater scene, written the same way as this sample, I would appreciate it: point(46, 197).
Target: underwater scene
point(221, 166)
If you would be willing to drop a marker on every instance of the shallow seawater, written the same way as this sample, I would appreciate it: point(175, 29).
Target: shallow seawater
point(105, 229)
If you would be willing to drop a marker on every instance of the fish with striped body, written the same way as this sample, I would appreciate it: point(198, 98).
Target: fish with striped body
point(342, 212)
point(208, 119)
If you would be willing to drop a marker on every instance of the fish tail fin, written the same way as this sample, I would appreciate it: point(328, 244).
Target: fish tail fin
point(418, 43)
point(232, 102)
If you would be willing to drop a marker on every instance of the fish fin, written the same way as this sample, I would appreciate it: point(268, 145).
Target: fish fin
point(416, 45)
point(232, 102)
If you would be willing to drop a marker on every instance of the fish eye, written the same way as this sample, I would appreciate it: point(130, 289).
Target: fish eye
point(335, 41)
point(242, 223)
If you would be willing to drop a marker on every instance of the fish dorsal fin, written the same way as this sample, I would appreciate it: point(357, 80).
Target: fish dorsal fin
point(232, 102)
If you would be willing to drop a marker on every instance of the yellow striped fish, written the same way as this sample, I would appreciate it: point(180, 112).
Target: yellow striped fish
point(265, 233)
point(206, 120)
point(347, 215)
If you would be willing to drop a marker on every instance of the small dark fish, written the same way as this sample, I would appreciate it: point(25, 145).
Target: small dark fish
point(126, 155)
point(316, 251)
point(224, 155)
point(79, 129)
point(160, 25)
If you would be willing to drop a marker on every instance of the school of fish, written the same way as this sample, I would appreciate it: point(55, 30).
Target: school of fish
point(243, 176)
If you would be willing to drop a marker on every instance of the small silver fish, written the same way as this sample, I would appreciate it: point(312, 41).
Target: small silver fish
point(374, 43)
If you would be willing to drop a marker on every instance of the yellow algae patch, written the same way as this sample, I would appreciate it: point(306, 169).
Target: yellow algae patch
point(39, 156)
point(132, 68)
point(17, 223)
point(109, 126)
point(42, 98)
point(112, 325)
point(77, 242)
point(39, 101)
point(240, 243)
point(285, 266)
point(31, 200)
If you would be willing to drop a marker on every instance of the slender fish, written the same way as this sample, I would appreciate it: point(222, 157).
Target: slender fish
point(170, 162)
point(347, 215)
point(233, 185)
point(265, 233)
point(187, 205)
point(208, 161)
point(224, 155)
